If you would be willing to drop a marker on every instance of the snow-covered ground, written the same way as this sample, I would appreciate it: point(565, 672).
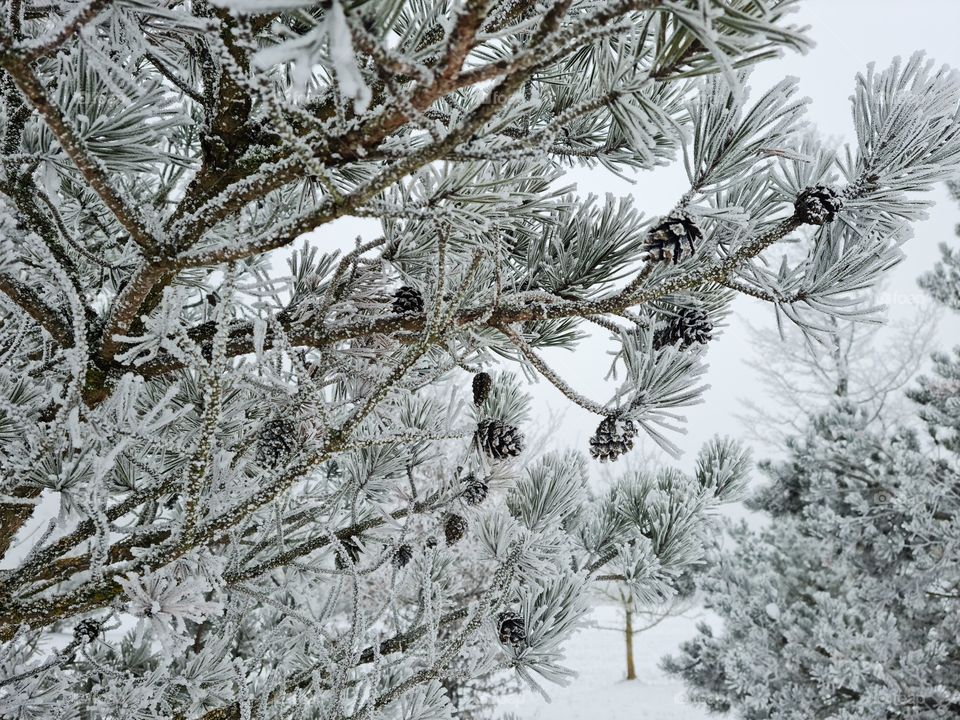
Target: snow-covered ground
point(600, 692)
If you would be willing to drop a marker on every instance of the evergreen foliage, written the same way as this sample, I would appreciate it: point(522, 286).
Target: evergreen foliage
point(250, 464)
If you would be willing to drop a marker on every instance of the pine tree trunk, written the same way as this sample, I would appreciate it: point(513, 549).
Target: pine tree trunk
point(628, 636)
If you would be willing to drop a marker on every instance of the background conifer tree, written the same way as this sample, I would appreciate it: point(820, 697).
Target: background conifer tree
point(845, 605)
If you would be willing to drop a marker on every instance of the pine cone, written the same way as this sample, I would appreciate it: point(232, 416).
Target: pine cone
point(402, 556)
point(498, 440)
point(481, 387)
point(407, 300)
point(613, 438)
point(475, 491)
point(352, 548)
point(691, 326)
point(276, 441)
point(672, 233)
point(86, 631)
point(817, 205)
point(454, 528)
point(431, 542)
point(510, 628)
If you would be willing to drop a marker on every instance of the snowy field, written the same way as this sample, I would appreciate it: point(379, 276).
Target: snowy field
point(599, 692)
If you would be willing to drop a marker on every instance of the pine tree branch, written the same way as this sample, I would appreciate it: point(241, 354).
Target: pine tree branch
point(761, 294)
point(15, 18)
point(25, 193)
point(305, 548)
point(44, 564)
point(504, 314)
point(96, 594)
point(72, 24)
point(333, 287)
point(17, 114)
point(144, 289)
point(176, 81)
point(227, 102)
point(479, 614)
point(199, 465)
point(34, 306)
point(227, 106)
point(93, 173)
point(60, 658)
point(751, 290)
point(145, 282)
point(56, 236)
point(398, 643)
point(13, 515)
point(334, 208)
point(195, 221)
point(93, 595)
point(303, 679)
point(192, 219)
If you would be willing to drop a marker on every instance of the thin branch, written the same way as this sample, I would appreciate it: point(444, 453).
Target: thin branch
point(550, 374)
point(345, 262)
point(162, 68)
point(305, 548)
point(33, 305)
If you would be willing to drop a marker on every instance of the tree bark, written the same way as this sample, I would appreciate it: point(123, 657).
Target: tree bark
point(628, 636)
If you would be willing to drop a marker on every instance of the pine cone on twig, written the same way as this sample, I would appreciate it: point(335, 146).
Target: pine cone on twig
point(407, 301)
point(481, 387)
point(613, 438)
point(86, 631)
point(817, 205)
point(499, 440)
point(691, 326)
point(454, 528)
point(402, 556)
point(352, 549)
point(671, 234)
point(275, 442)
point(510, 628)
point(475, 491)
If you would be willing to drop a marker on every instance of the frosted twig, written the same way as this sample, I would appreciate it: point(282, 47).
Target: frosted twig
point(550, 374)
